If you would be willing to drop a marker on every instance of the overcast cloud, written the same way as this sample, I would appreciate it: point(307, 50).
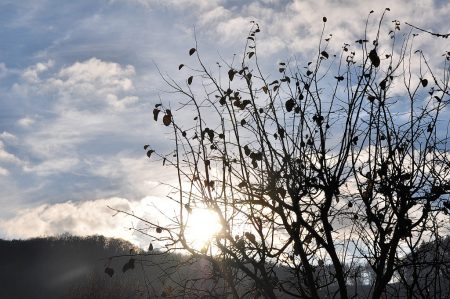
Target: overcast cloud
point(78, 82)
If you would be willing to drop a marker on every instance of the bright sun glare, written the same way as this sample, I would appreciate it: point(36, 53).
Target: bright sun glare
point(202, 225)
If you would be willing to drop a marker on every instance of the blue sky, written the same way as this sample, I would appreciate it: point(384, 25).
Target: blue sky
point(78, 82)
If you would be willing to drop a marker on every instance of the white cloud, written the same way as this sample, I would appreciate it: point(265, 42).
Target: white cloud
point(52, 166)
point(8, 136)
point(4, 171)
point(85, 99)
point(136, 175)
point(122, 103)
point(80, 85)
point(7, 157)
point(95, 71)
point(25, 121)
point(32, 73)
point(85, 218)
point(297, 25)
point(93, 81)
point(175, 4)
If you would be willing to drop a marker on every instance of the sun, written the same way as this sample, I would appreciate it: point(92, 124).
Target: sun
point(201, 227)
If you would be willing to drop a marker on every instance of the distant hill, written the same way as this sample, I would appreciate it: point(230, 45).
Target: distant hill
point(69, 267)
point(82, 267)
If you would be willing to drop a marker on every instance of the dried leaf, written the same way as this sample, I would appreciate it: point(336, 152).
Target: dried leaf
point(286, 79)
point(155, 114)
point(167, 120)
point(231, 74)
point(281, 132)
point(290, 105)
point(373, 56)
point(247, 150)
point(109, 271)
point(251, 237)
point(242, 184)
point(192, 51)
point(128, 265)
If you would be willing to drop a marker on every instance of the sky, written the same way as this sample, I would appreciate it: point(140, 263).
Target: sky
point(79, 79)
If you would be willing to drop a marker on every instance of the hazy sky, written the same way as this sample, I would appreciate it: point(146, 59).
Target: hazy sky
point(78, 82)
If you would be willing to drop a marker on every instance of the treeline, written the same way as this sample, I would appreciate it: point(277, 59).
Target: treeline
point(74, 267)
point(99, 267)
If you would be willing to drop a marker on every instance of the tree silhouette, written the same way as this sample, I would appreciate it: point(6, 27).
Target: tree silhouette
point(325, 175)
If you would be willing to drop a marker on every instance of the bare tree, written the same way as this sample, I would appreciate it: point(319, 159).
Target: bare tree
point(324, 175)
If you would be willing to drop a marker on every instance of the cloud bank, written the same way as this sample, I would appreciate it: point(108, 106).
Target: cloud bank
point(79, 85)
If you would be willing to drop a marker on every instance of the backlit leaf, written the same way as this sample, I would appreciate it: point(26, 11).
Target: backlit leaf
point(373, 56)
point(242, 184)
point(324, 54)
point(231, 74)
point(251, 237)
point(167, 120)
point(290, 105)
point(286, 79)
